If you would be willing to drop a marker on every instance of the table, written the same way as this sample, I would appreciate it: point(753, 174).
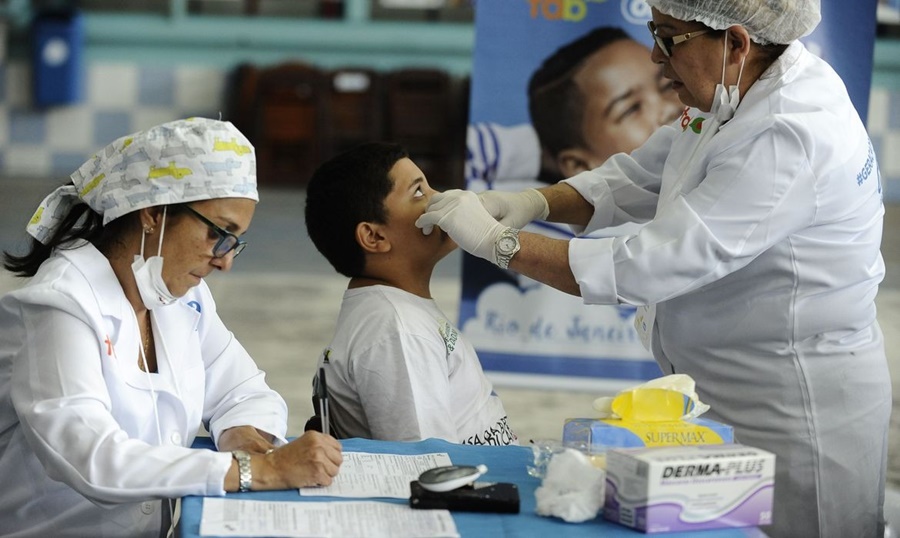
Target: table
point(505, 464)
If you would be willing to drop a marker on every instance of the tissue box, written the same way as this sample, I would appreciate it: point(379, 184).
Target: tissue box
point(598, 435)
point(689, 488)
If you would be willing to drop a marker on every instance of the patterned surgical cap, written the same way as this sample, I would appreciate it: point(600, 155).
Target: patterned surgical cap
point(176, 162)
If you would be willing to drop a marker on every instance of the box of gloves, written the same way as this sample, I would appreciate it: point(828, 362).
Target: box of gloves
point(599, 435)
point(689, 488)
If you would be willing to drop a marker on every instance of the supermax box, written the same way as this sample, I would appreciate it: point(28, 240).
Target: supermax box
point(598, 435)
point(689, 488)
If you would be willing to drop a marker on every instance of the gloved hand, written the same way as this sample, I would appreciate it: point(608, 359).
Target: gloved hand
point(515, 209)
point(460, 214)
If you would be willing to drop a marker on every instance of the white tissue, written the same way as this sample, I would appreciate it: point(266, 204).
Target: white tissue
point(572, 488)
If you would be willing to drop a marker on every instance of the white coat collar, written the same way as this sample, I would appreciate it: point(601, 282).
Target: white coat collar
point(174, 323)
point(100, 277)
point(785, 62)
point(772, 77)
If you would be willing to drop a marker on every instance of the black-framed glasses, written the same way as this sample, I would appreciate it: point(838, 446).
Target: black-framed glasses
point(666, 43)
point(227, 240)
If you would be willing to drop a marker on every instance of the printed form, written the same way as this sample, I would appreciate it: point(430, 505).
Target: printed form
point(378, 475)
point(236, 517)
point(362, 475)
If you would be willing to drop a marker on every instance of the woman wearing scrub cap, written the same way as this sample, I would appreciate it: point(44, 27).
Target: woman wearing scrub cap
point(759, 263)
point(112, 354)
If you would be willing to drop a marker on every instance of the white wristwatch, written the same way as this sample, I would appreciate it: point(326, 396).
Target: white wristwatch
point(506, 247)
point(244, 471)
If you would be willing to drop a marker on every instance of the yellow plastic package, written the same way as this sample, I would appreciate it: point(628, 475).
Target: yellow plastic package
point(661, 412)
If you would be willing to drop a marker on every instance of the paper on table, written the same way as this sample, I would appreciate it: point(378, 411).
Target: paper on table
point(378, 475)
point(362, 519)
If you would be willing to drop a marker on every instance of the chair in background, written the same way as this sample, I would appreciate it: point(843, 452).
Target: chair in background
point(290, 129)
point(355, 97)
point(462, 92)
point(420, 115)
point(241, 97)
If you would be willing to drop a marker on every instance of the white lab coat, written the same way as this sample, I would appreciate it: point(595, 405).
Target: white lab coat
point(79, 449)
point(764, 265)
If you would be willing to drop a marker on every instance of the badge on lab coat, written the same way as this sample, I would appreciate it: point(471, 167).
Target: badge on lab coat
point(644, 319)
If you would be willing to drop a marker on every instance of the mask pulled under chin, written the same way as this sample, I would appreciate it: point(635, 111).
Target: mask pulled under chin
point(148, 274)
point(150, 284)
point(725, 102)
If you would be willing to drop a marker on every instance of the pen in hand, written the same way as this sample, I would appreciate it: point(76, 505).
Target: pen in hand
point(323, 402)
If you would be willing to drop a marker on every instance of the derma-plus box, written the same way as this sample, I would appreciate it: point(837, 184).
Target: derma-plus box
point(688, 488)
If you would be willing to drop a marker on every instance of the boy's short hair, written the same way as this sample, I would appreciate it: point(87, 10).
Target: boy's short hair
point(344, 191)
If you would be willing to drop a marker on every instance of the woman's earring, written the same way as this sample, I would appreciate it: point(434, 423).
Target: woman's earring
point(148, 230)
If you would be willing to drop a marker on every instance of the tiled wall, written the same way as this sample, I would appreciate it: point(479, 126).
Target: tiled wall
point(118, 99)
point(123, 98)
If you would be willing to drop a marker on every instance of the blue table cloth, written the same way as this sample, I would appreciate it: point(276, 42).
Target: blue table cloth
point(505, 464)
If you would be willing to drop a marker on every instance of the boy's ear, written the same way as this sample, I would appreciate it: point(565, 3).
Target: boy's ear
point(572, 161)
point(370, 237)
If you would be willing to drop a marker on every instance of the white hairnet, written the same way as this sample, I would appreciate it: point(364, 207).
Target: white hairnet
point(767, 21)
point(176, 162)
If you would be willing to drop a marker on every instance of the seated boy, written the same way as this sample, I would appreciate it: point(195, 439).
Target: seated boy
point(397, 369)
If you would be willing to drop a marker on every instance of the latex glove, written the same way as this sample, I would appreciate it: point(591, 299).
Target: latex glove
point(460, 214)
point(515, 209)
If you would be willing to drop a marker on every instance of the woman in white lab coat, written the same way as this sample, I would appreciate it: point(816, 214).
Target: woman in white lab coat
point(112, 354)
point(761, 251)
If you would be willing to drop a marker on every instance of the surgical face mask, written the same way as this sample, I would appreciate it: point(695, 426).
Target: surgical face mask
point(725, 102)
point(148, 274)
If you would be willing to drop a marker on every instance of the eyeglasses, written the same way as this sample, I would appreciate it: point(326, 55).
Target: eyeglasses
point(666, 43)
point(227, 240)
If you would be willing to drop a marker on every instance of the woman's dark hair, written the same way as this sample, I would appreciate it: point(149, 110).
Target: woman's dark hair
point(80, 224)
point(770, 53)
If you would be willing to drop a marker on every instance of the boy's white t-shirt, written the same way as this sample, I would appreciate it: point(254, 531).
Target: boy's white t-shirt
point(399, 370)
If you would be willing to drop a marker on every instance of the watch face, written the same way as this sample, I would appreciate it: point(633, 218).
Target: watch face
point(506, 244)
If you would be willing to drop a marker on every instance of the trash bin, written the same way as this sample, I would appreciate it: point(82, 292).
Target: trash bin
point(58, 42)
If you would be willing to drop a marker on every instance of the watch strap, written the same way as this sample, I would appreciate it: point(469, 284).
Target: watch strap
point(504, 257)
point(245, 473)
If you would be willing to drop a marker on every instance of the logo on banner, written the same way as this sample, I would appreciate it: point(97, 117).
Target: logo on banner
point(633, 11)
point(537, 320)
point(567, 10)
point(636, 11)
